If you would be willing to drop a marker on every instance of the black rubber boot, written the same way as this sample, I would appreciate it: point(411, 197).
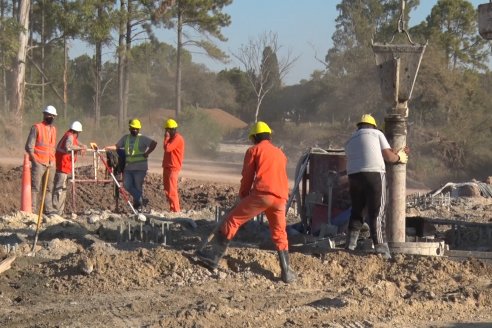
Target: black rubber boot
point(288, 275)
point(383, 249)
point(352, 238)
point(214, 251)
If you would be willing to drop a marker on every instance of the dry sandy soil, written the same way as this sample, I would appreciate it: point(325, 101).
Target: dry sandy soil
point(86, 273)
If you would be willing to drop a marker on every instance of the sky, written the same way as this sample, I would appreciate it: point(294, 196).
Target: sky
point(304, 28)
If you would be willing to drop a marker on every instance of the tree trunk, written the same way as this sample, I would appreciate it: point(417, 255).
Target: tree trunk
point(97, 95)
point(4, 71)
point(65, 77)
point(178, 65)
point(126, 71)
point(43, 45)
point(17, 103)
point(121, 69)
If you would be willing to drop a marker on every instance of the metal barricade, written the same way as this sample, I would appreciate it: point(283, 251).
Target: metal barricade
point(86, 168)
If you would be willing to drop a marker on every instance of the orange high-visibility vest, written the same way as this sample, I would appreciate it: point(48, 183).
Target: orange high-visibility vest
point(44, 148)
point(64, 159)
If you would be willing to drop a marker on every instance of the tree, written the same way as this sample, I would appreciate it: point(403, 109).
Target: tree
point(132, 15)
point(152, 75)
point(270, 69)
point(17, 99)
point(245, 95)
point(99, 17)
point(258, 58)
point(358, 23)
point(206, 18)
point(53, 23)
point(452, 24)
point(9, 34)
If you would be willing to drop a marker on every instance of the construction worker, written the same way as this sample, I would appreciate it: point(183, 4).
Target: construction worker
point(367, 150)
point(172, 161)
point(40, 146)
point(264, 188)
point(137, 149)
point(69, 142)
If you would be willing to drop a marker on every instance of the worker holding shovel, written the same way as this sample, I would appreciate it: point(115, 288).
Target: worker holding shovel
point(264, 188)
point(40, 146)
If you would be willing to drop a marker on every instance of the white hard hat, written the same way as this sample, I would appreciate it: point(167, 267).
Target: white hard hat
point(76, 126)
point(50, 110)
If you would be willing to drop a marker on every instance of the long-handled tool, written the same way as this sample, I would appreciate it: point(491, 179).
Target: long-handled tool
point(123, 192)
point(216, 228)
point(41, 208)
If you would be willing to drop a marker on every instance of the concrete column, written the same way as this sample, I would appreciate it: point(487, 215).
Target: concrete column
point(396, 133)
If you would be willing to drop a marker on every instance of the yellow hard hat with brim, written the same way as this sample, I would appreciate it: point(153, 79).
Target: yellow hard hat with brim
point(368, 119)
point(135, 124)
point(171, 124)
point(259, 127)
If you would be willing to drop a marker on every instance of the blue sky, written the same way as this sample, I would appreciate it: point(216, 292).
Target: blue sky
point(303, 27)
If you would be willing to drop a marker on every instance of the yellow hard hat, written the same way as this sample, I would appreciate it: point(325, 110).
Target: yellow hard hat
point(367, 118)
point(170, 124)
point(135, 124)
point(259, 127)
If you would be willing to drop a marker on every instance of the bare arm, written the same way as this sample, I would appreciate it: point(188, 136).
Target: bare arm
point(390, 156)
point(151, 148)
point(31, 140)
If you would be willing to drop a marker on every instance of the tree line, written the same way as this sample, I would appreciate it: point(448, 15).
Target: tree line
point(449, 120)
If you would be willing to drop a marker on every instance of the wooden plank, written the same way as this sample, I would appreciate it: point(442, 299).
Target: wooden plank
point(5, 264)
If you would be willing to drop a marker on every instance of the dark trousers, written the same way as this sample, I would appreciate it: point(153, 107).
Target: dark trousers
point(368, 190)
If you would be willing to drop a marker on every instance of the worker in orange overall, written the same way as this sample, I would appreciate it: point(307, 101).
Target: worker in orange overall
point(264, 188)
point(174, 147)
point(69, 142)
point(40, 146)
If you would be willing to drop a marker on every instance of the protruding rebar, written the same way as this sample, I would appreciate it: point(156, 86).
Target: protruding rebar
point(141, 231)
point(129, 232)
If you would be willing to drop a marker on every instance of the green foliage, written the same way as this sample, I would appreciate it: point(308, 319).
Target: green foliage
point(205, 16)
point(9, 35)
point(270, 69)
point(452, 25)
point(245, 96)
point(357, 24)
point(202, 134)
point(449, 114)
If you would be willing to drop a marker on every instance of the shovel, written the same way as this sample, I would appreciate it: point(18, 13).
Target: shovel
point(139, 216)
point(41, 208)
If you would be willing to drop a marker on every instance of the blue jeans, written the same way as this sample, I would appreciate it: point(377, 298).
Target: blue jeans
point(133, 182)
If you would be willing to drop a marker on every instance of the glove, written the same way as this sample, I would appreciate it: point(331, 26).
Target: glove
point(402, 157)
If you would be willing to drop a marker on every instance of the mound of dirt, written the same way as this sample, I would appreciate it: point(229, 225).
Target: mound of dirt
point(100, 268)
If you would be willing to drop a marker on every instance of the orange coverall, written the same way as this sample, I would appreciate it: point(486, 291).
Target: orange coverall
point(264, 188)
point(171, 165)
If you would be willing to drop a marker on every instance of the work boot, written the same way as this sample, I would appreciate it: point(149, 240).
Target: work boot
point(383, 249)
point(288, 275)
point(351, 242)
point(215, 250)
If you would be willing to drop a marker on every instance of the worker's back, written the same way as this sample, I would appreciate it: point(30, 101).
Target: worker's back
point(269, 163)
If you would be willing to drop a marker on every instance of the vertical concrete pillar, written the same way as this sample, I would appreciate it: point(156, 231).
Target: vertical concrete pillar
point(396, 133)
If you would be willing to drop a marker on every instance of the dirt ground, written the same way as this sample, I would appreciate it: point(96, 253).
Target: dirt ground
point(101, 268)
